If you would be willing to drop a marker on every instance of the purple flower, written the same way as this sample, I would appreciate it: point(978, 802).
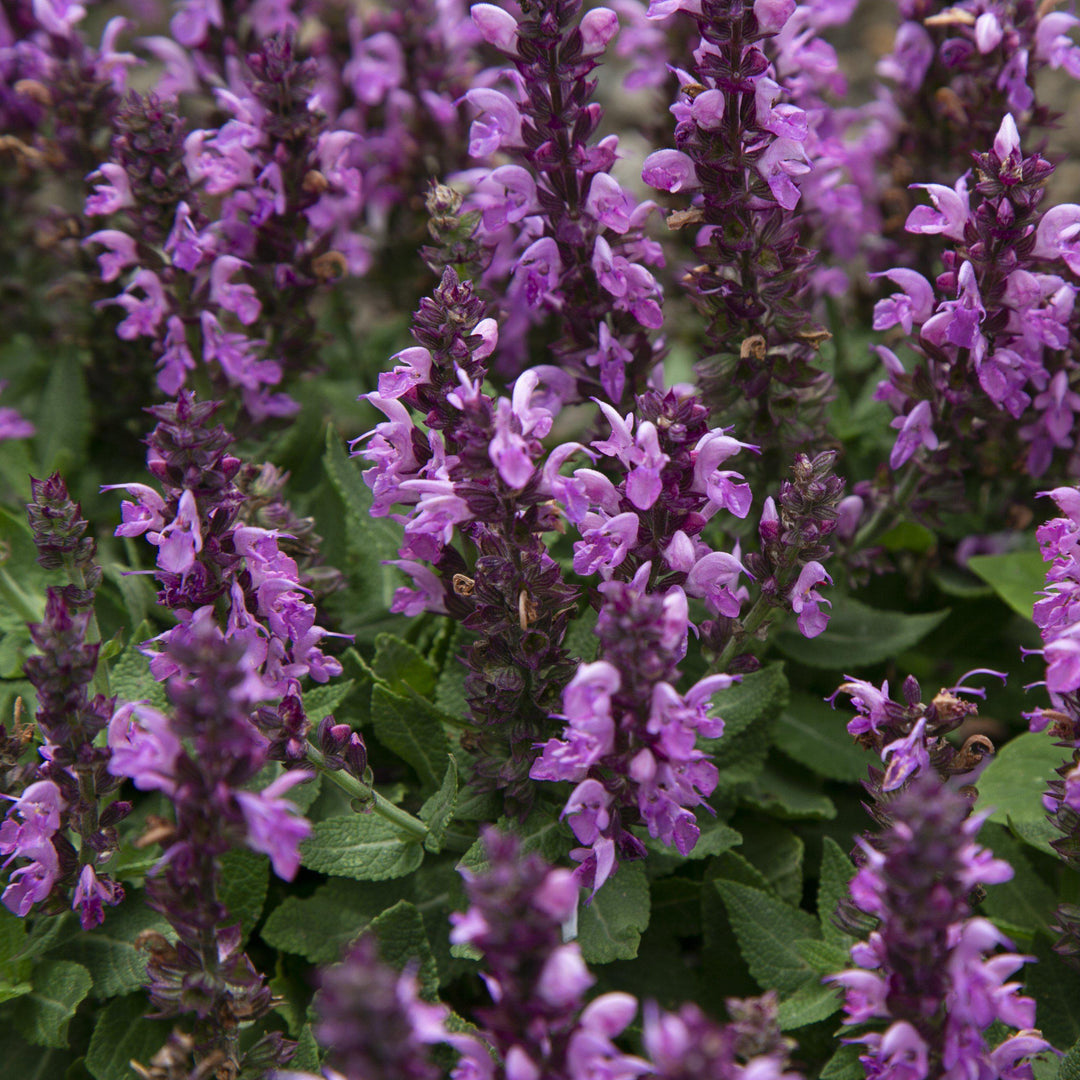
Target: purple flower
point(915, 431)
point(275, 826)
point(805, 599)
point(670, 170)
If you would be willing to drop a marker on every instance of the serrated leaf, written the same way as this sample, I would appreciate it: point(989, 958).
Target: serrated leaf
point(812, 733)
point(809, 1004)
point(322, 700)
point(319, 926)
point(411, 730)
point(581, 641)
point(438, 811)
point(777, 852)
point(766, 929)
point(1069, 1068)
point(845, 1064)
point(129, 673)
point(758, 696)
point(403, 939)
point(783, 792)
point(360, 846)
point(402, 668)
point(245, 879)
point(1012, 786)
point(715, 839)
point(1016, 577)
point(825, 957)
point(610, 928)
point(44, 1014)
point(541, 832)
point(836, 872)
point(121, 1035)
point(108, 951)
point(858, 635)
point(306, 1058)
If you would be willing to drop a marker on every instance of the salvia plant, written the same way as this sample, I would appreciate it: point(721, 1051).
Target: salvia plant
point(539, 540)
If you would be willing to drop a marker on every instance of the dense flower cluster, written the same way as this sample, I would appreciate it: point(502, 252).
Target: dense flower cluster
point(566, 232)
point(739, 151)
point(923, 982)
point(231, 229)
point(994, 338)
point(956, 69)
point(1057, 614)
point(206, 552)
point(203, 755)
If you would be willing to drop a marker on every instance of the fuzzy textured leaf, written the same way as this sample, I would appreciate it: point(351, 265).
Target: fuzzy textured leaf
point(438, 811)
point(43, 1015)
point(610, 928)
point(121, 1035)
point(108, 951)
point(411, 730)
point(814, 734)
point(319, 926)
point(836, 872)
point(812, 1002)
point(403, 940)
point(766, 929)
point(360, 846)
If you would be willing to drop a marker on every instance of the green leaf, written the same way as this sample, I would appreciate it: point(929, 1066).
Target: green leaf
point(245, 879)
point(780, 790)
point(319, 926)
point(1015, 577)
point(812, 1002)
point(43, 1015)
point(777, 852)
point(409, 727)
point(581, 641)
point(1025, 900)
point(826, 958)
point(1070, 1064)
point(438, 811)
point(402, 939)
point(129, 673)
point(1056, 990)
point(715, 839)
point(360, 846)
point(306, 1058)
point(858, 635)
point(836, 872)
point(402, 668)
point(541, 831)
point(108, 951)
point(63, 416)
point(766, 930)
point(812, 733)
point(1012, 785)
point(610, 928)
point(758, 696)
point(121, 1035)
point(908, 536)
point(323, 700)
point(845, 1064)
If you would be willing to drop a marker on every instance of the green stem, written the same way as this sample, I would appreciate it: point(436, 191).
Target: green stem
point(413, 827)
point(754, 618)
point(93, 631)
